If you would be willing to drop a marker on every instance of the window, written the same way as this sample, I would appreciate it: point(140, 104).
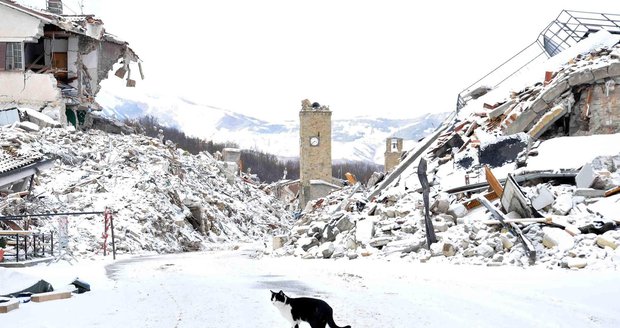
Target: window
point(14, 56)
point(394, 145)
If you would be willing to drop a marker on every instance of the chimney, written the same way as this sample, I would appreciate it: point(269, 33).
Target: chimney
point(54, 6)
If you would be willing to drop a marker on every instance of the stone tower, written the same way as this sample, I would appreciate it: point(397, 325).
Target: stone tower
point(393, 153)
point(315, 147)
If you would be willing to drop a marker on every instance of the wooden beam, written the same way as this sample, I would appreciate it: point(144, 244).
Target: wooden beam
point(51, 296)
point(612, 191)
point(9, 306)
point(526, 220)
point(15, 232)
point(493, 182)
point(473, 203)
point(57, 34)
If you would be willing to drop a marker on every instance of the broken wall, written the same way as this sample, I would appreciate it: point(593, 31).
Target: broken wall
point(88, 61)
point(598, 110)
point(319, 189)
point(109, 55)
point(72, 57)
point(29, 90)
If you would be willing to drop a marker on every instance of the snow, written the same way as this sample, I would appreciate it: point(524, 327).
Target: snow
point(559, 153)
point(231, 289)
point(13, 281)
point(153, 189)
point(609, 207)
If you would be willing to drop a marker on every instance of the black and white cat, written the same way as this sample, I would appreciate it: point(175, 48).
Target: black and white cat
point(311, 310)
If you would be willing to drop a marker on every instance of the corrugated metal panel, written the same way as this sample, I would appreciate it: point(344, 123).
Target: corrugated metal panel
point(9, 164)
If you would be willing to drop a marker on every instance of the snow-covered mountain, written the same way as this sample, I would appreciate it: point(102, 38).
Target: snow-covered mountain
point(360, 139)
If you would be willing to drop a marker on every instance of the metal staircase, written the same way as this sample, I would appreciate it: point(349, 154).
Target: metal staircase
point(566, 30)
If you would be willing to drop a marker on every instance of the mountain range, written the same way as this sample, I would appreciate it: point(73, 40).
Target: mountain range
point(360, 138)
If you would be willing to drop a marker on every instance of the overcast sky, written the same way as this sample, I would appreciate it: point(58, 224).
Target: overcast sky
point(362, 58)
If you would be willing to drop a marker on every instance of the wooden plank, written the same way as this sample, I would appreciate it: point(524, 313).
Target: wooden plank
point(15, 232)
point(51, 296)
point(473, 203)
point(526, 220)
point(493, 182)
point(612, 191)
point(13, 225)
point(9, 306)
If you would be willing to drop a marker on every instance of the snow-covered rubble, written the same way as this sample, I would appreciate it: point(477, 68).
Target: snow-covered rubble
point(394, 227)
point(164, 199)
point(561, 211)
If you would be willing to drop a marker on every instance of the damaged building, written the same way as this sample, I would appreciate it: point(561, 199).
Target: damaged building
point(527, 173)
point(53, 63)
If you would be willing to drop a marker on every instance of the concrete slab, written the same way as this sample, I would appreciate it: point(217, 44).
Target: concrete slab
point(585, 177)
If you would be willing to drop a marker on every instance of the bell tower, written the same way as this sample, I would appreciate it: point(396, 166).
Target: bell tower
point(315, 147)
point(393, 153)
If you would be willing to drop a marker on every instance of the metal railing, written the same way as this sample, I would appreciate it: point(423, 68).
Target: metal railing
point(566, 30)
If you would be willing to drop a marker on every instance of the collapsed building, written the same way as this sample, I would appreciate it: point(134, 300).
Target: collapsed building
point(525, 173)
point(53, 63)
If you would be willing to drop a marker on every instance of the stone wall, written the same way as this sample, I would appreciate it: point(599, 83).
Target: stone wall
point(315, 161)
point(598, 110)
point(605, 108)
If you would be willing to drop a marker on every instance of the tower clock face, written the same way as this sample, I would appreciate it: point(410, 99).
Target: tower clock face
point(314, 141)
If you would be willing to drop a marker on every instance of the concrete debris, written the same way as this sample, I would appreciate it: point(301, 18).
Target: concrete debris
point(164, 199)
point(585, 177)
point(554, 237)
point(607, 240)
point(543, 199)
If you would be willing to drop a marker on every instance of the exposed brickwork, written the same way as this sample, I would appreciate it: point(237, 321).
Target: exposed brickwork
point(603, 110)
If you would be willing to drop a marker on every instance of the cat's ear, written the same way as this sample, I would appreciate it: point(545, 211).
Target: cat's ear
point(281, 292)
point(272, 291)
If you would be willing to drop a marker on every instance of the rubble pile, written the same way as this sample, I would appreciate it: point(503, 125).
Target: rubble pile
point(577, 227)
point(163, 199)
point(499, 193)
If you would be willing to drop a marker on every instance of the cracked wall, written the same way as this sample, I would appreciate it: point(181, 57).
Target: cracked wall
point(29, 90)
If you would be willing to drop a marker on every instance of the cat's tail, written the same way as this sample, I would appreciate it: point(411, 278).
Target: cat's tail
point(332, 324)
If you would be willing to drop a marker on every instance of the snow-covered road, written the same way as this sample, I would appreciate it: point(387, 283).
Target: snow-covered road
point(231, 289)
